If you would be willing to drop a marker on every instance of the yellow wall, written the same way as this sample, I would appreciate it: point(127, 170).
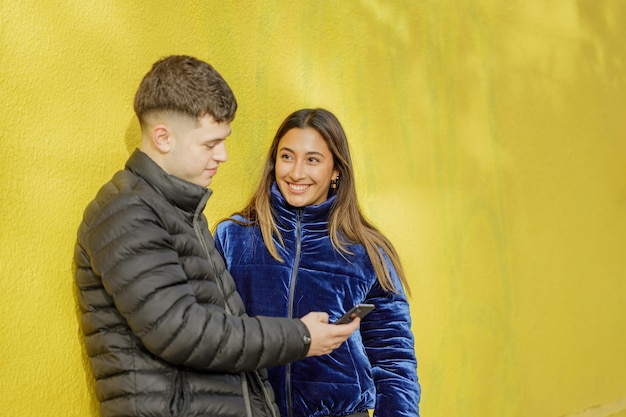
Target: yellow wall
point(488, 142)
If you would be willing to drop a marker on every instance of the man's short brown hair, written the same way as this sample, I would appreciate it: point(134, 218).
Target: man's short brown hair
point(185, 86)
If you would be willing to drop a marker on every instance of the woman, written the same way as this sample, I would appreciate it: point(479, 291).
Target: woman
point(302, 244)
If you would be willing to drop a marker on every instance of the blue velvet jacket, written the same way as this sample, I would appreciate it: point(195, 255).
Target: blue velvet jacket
point(376, 367)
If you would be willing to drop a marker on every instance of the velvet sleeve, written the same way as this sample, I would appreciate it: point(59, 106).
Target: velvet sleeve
point(389, 344)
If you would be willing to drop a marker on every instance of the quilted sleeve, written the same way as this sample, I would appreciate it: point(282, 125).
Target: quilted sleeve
point(389, 344)
point(141, 271)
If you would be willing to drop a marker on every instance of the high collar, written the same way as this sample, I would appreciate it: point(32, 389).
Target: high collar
point(313, 216)
point(180, 193)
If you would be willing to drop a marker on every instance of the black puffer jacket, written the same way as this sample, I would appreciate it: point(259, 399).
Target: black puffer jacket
point(164, 326)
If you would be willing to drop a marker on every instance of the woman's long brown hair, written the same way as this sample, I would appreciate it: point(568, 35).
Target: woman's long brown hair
point(346, 223)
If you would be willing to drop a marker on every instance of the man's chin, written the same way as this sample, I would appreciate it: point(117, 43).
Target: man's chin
point(202, 183)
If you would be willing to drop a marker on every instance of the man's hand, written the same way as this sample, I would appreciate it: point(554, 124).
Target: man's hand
point(327, 337)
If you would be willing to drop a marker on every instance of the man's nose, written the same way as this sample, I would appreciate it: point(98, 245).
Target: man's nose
point(219, 152)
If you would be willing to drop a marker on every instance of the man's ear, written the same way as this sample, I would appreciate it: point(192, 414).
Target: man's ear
point(161, 138)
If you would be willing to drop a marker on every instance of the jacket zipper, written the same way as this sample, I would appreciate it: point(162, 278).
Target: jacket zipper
point(244, 380)
point(196, 227)
point(292, 289)
point(242, 375)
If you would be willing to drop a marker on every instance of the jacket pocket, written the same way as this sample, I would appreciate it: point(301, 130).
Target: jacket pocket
point(177, 399)
point(259, 401)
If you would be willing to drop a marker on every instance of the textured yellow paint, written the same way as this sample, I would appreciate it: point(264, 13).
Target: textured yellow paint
point(488, 143)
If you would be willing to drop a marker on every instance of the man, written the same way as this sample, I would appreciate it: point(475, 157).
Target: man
point(164, 326)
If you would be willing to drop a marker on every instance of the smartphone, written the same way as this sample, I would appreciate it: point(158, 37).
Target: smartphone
point(359, 310)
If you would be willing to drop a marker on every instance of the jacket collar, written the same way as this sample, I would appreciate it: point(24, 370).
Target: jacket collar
point(180, 193)
point(314, 216)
